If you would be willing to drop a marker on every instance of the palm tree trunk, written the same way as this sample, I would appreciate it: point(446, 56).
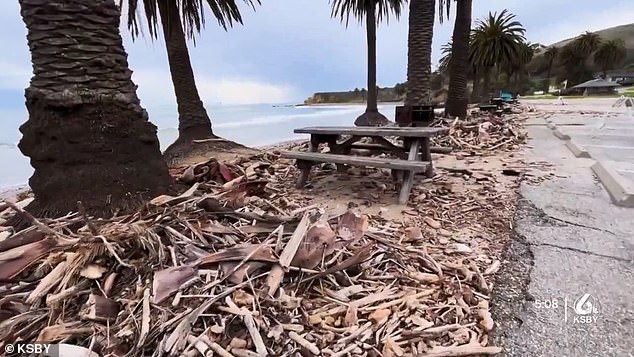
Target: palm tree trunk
point(87, 135)
point(370, 20)
point(193, 121)
point(459, 66)
point(419, 46)
point(371, 117)
point(550, 67)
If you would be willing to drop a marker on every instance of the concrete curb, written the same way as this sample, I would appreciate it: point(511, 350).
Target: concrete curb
point(560, 135)
point(577, 150)
point(621, 190)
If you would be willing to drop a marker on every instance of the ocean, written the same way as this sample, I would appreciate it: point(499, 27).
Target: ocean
point(251, 125)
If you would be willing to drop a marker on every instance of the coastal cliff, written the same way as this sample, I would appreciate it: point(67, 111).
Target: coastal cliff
point(388, 94)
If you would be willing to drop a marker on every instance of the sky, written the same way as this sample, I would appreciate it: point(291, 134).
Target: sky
point(288, 49)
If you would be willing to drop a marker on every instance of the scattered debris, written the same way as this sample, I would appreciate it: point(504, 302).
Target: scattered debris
point(242, 264)
point(483, 133)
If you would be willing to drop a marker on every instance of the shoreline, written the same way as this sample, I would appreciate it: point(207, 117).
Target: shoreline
point(12, 192)
point(346, 103)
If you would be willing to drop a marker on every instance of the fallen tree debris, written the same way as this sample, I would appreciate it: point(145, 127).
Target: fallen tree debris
point(242, 265)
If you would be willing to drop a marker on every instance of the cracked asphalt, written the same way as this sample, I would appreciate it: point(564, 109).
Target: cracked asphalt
point(568, 240)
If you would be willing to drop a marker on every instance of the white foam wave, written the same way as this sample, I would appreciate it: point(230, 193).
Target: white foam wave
point(271, 119)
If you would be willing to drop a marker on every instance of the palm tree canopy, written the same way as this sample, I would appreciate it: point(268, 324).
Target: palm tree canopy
point(496, 39)
point(551, 53)
point(570, 56)
point(443, 65)
point(345, 9)
point(610, 53)
point(587, 43)
point(191, 12)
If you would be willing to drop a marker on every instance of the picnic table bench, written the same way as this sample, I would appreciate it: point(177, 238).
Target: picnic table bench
point(413, 157)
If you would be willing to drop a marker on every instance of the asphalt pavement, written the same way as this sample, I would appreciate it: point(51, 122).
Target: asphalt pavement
point(566, 287)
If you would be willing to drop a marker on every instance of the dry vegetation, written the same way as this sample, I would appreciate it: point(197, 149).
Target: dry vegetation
point(243, 264)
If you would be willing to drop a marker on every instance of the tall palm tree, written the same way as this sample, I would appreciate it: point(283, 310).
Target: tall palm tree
point(419, 47)
point(495, 42)
point(193, 120)
point(550, 55)
point(459, 66)
point(87, 135)
point(373, 11)
point(609, 55)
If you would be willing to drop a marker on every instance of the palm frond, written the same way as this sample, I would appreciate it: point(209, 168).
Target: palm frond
point(444, 8)
point(358, 9)
point(497, 40)
point(191, 12)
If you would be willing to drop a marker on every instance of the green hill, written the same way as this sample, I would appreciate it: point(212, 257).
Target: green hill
point(624, 32)
point(539, 65)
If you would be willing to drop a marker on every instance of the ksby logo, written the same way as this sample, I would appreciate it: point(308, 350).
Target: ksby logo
point(586, 310)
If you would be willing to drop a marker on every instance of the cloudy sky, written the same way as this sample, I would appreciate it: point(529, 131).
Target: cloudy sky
point(288, 49)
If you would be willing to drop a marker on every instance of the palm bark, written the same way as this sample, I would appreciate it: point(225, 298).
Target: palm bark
point(87, 135)
point(193, 120)
point(419, 47)
point(459, 66)
point(371, 117)
point(370, 21)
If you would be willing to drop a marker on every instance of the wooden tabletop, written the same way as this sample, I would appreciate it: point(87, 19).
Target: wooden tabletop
point(416, 132)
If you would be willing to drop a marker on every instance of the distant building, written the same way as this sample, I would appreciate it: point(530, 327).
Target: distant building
point(622, 78)
point(593, 87)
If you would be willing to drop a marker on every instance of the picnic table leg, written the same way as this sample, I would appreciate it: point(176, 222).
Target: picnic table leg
point(304, 171)
point(426, 156)
point(305, 166)
point(408, 176)
point(337, 149)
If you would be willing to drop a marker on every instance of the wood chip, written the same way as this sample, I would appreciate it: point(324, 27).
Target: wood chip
point(432, 223)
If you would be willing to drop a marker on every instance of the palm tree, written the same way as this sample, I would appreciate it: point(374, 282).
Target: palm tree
point(495, 42)
point(517, 67)
point(419, 47)
point(373, 11)
point(609, 55)
point(459, 66)
point(87, 135)
point(193, 120)
point(574, 60)
point(587, 43)
point(550, 55)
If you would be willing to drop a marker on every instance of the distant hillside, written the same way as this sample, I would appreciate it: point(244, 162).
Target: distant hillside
point(387, 94)
point(539, 65)
point(624, 32)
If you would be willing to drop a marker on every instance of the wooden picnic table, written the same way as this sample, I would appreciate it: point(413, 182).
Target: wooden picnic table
point(414, 156)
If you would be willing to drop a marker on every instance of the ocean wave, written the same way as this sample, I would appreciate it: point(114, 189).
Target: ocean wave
point(272, 119)
point(342, 106)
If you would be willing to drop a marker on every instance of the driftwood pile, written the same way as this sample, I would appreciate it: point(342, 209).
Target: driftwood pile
point(483, 133)
point(236, 266)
